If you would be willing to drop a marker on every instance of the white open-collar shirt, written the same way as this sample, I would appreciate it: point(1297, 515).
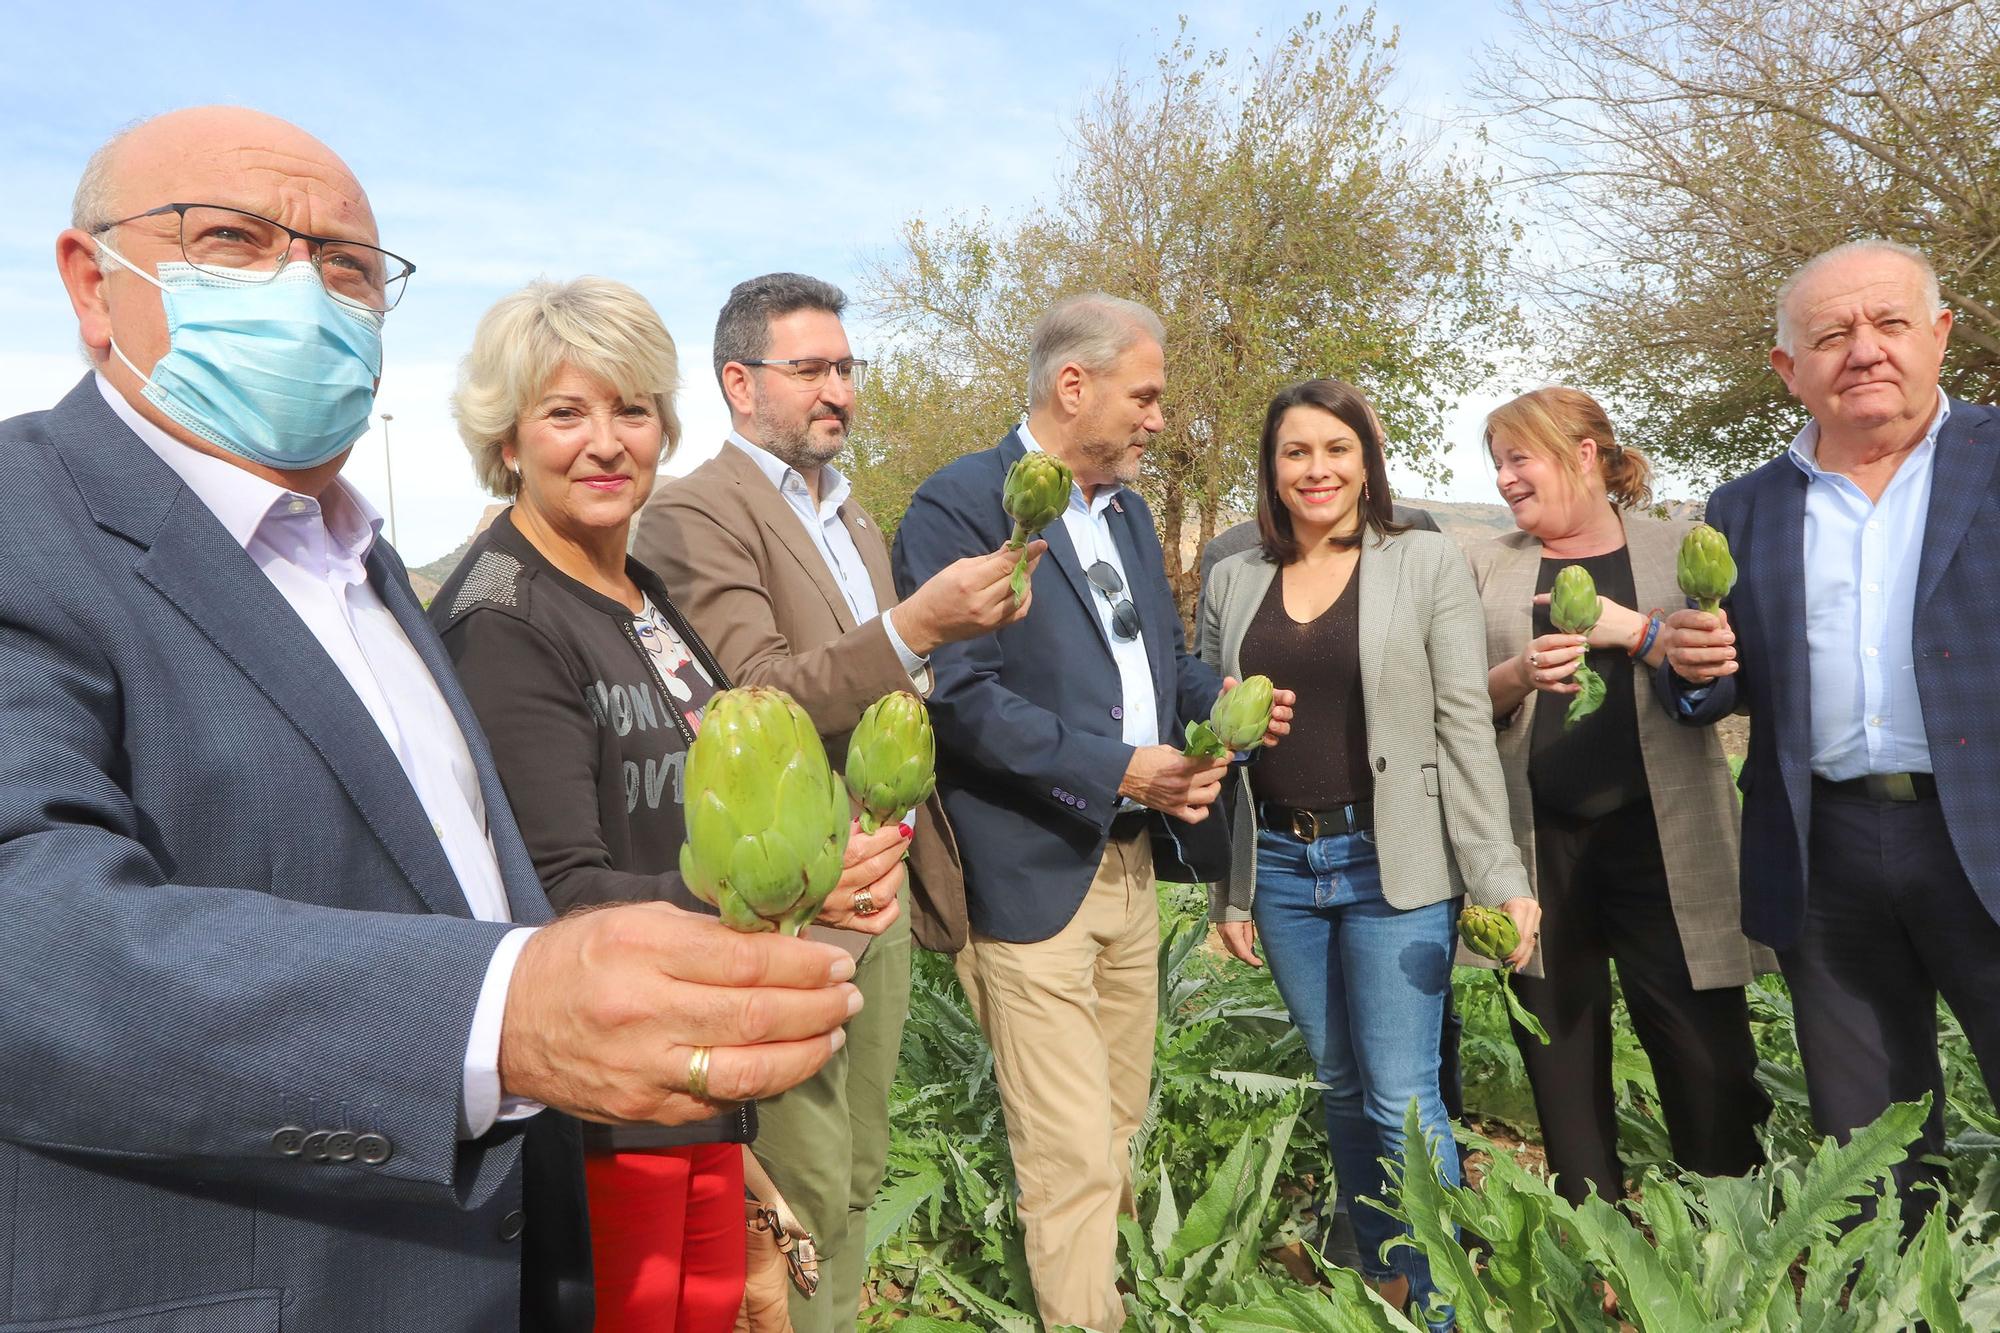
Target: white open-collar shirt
point(314, 552)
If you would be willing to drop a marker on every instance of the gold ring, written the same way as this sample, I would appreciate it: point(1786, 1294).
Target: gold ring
point(698, 1073)
point(864, 903)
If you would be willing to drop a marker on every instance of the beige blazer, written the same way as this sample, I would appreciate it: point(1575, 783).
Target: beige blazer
point(742, 569)
point(1693, 802)
point(1440, 812)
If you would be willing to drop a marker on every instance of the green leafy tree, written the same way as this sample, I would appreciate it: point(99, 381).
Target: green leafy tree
point(1281, 215)
point(1688, 155)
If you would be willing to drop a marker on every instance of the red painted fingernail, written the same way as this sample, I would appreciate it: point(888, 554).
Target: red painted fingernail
point(905, 830)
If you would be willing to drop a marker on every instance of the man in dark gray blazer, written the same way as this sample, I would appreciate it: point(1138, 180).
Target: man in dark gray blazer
point(1869, 568)
point(277, 1042)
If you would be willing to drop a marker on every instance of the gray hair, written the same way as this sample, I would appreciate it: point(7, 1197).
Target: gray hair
point(90, 208)
point(1788, 331)
point(1092, 331)
point(595, 325)
point(743, 329)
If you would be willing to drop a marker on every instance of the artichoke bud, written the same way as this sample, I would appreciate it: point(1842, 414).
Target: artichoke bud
point(1705, 568)
point(891, 758)
point(767, 822)
point(1573, 604)
point(1488, 932)
point(1238, 721)
point(1242, 715)
point(1036, 493)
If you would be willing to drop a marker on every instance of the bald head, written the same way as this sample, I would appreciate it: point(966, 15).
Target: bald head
point(233, 147)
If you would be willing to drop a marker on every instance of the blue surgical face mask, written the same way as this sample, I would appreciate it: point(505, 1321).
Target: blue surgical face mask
point(275, 370)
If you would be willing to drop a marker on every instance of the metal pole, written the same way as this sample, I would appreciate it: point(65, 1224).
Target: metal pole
point(388, 467)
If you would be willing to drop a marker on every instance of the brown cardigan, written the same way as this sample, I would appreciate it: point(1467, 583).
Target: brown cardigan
point(743, 571)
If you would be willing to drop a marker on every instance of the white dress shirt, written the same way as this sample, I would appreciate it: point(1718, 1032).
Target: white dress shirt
point(1090, 532)
point(1861, 561)
point(834, 543)
point(313, 552)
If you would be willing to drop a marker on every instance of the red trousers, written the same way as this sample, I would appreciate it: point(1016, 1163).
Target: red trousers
point(666, 1237)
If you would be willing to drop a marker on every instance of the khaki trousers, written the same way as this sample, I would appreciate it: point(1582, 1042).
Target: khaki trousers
point(1071, 1021)
point(826, 1141)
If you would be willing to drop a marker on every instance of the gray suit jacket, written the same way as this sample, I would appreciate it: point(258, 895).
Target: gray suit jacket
point(1440, 814)
point(237, 972)
point(1693, 802)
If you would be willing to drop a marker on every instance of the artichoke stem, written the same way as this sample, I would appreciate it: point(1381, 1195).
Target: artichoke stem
point(1018, 583)
point(868, 822)
point(1712, 605)
point(1020, 537)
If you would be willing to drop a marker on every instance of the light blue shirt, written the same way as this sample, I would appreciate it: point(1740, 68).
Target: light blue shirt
point(1090, 532)
point(1861, 560)
point(833, 541)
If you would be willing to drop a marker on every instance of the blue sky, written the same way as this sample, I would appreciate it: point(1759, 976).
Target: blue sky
point(679, 148)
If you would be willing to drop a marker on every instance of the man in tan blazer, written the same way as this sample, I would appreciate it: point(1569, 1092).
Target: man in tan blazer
point(787, 579)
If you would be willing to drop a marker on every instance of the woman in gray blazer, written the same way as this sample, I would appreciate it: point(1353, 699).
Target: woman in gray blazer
point(1625, 819)
point(1352, 840)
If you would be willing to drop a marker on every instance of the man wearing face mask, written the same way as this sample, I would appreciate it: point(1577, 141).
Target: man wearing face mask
point(279, 1009)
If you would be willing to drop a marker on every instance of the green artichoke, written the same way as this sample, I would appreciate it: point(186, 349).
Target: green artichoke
point(1036, 493)
point(891, 758)
point(767, 820)
point(1706, 569)
point(1573, 604)
point(1491, 933)
point(1574, 609)
point(1238, 721)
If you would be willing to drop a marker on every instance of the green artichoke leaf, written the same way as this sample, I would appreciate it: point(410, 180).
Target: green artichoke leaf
point(1588, 698)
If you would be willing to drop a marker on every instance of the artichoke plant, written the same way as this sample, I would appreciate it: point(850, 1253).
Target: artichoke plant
point(1574, 609)
point(1238, 721)
point(767, 820)
point(1491, 933)
point(891, 758)
point(1036, 493)
point(1706, 569)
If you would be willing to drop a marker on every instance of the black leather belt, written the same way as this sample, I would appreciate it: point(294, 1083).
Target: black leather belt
point(1306, 825)
point(1130, 824)
point(1882, 787)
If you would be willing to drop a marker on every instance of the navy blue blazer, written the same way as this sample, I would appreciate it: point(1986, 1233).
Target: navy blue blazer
point(226, 927)
point(1958, 666)
point(1030, 720)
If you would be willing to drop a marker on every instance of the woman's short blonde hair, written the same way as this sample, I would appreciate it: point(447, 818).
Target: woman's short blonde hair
point(596, 325)
point(1551, 423)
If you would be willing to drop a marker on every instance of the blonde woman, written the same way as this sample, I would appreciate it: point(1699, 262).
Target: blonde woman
point(1626, 819)
point(590, 686)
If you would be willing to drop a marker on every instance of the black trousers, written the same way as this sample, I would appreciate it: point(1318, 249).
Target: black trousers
point(1891, 922)
point(1603, 890)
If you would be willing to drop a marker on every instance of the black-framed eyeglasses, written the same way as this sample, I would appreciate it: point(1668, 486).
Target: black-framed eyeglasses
point(231, 243)
point(814, 369)
point(1104, 577)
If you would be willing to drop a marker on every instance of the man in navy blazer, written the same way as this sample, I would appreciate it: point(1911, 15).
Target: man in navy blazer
point(277, 1035)
point(1868, 560)
point(1068, 795)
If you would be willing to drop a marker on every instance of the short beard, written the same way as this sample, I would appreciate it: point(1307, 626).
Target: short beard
point(1110, 458)
point(795, 446)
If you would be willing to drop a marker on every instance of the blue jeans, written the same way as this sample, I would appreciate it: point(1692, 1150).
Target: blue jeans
point(1366, 984)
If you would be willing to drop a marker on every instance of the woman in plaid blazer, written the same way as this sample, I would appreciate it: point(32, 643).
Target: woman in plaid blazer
point(1625, 819)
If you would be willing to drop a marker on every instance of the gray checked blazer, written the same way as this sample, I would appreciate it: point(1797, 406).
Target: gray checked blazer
point(1685, 768)
point(1440, 819)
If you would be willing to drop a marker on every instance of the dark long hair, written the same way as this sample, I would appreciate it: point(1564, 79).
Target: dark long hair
point(1274, 521)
